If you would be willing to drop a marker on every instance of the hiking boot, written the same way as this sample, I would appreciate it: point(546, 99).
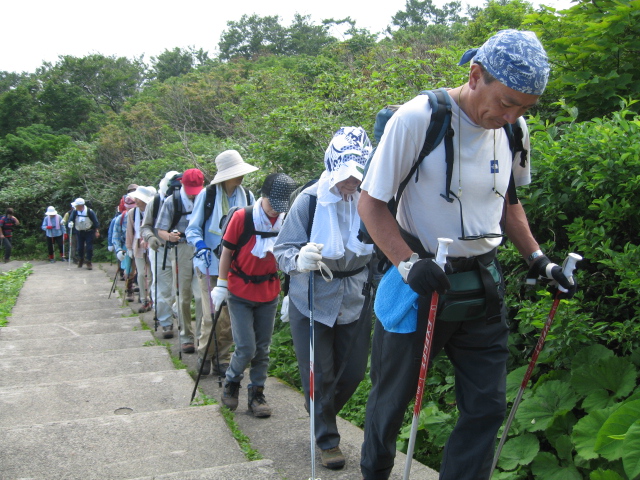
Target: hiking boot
point(145, 308)
point(63, 259)
point(188, 348)
point(257, 403)
point(332, 458)
point(167, 332)
point(206, 369)
point(80, 262)
point(89, 266)
point(129, 295)
point(230, 395)
point(222, 371)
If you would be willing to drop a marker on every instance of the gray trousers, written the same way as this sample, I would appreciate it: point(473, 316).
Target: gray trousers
point(252, 328)
point(331, 344)
point(478, 352)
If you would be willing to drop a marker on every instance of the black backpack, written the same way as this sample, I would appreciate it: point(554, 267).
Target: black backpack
point(210, 201)
point(248, 231)
point(439, 129)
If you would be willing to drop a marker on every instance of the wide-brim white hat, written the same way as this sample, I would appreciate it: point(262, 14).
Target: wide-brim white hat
point(231, 165)
point(143, 193)
point(79, 201)
point(51, 211)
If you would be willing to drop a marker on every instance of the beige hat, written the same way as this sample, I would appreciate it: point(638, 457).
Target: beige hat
point(51, 211)
point(231, 165)
point(143, 193)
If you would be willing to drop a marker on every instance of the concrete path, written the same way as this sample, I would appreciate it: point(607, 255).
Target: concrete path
point(88, 392)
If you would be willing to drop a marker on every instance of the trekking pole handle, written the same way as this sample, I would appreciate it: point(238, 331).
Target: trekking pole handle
point(443, 251)
point(569, 266)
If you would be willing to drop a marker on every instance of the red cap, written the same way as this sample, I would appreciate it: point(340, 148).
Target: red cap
point(192, 181)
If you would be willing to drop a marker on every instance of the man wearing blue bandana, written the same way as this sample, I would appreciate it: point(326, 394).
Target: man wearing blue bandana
point(507, 76)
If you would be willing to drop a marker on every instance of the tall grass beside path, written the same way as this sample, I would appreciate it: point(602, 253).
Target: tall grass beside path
point(10, 284)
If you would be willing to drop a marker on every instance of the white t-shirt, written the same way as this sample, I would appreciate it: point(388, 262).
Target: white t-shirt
point(422, 210)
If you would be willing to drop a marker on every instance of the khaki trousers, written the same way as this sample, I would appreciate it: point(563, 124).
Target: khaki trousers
point(223, 327)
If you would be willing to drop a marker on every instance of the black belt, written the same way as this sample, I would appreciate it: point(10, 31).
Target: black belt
point(350, 273)
point(254, 278)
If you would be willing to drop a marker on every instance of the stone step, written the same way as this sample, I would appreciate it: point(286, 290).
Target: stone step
point(68, 329)
point(72, 315)
point(86, 344)
point(145, 444)
point(31, 306)
point(22, 371)
point(256, 470)
point(96, 397)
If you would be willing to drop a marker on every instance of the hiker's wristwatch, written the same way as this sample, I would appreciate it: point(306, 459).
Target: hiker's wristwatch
point(534, 255)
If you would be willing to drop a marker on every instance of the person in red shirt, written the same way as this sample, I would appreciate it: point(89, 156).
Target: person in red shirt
point(7, 224)
point(248, 281)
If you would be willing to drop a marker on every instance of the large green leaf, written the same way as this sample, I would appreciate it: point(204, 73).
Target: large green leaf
point(605, 475)
point(589, 355)
point(631, 453)
point(550, 400)
point(613, 374)
point(597, 400)
point(520, 450)
point(617, 424)
point(546, 466)
point(514, 381)
point(585, 432)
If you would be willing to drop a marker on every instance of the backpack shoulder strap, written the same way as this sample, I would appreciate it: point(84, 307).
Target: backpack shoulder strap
point(439, 128)
point(247, 194)
point(515, 135)
point(209, 203)
point(313, 201)
point(155, 207)
point(177, 212)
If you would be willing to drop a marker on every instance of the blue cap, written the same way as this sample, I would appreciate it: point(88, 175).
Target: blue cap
point(515, 58)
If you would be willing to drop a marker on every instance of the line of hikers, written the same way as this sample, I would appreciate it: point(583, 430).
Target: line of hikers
point(473, 137)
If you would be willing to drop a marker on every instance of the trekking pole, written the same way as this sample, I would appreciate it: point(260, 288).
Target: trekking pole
point(568, 269)
point(70, 255)
point(113, 285)
point(155, 286)
point(441, 260)
point(312, 411)
point(214, 320)
point(178, 303)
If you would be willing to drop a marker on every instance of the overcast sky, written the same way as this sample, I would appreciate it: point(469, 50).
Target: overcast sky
point(41, 30)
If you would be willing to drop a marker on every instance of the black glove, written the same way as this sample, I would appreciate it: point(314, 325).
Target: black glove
point(542, 267)
point(426, 276)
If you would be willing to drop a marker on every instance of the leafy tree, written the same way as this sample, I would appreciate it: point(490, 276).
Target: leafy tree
point(419, 14)
point(9, 80)
point(18, 108)
point(32, 143)
point(64, 106)
point(177, 62)
point(305, 38)
point(107, 81)
point(497, 15)
point(252, 36)
point(594, 46)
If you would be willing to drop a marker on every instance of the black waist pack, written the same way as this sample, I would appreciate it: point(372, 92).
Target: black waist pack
point(469, 295)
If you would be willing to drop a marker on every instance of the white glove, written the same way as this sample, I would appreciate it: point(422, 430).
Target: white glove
point(130, 252)
point(70, 224)
point(284, 310)
point(111, 248)
point(120, 255)
point(219, 294)
point(308, 257)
